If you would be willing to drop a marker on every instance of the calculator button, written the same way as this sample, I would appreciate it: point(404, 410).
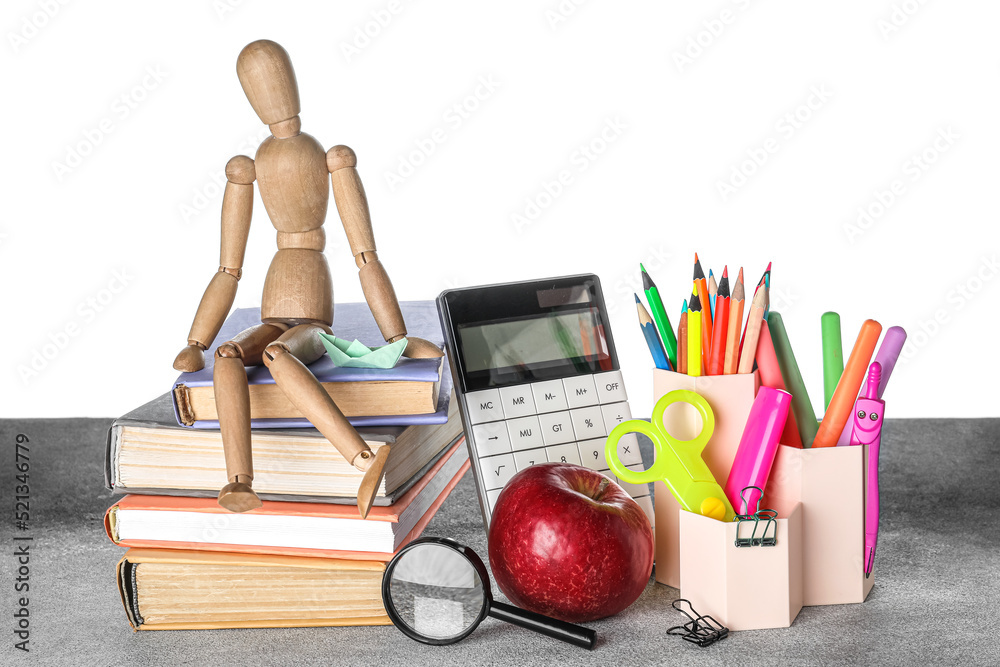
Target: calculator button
point(497, 470)
point(592, 454)
point(491, 438)
point(525, 433)
point(614, 414)
point(580, 391)
point(610, 388)
point(549, 396)
point(517, 401)
point(564, 454)
point(635, 490)
point(491, 498)
point(528, 458)
point(556, 428)
point(588, 423)
point(646, 503)
point(628, 450)
point(484, 406)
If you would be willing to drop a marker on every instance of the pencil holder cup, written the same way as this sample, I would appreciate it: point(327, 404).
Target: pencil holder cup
point(730, 397)
point(742, 587)
point(829, 483)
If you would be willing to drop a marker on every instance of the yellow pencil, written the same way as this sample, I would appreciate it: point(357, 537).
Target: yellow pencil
point(694, 334)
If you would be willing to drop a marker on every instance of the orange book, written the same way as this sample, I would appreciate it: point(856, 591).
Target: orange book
point(287, 528)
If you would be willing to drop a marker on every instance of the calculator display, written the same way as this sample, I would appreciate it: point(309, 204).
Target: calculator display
point(534, 342)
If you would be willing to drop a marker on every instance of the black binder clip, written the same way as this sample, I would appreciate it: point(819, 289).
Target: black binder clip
point(701, 630)
point(765, 521)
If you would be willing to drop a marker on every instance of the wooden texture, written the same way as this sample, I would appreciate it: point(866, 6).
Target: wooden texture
point(268, 79)
point(381, 298)
point(752, 333)
point(249, 344)
point(237, 210)
point(292, 177)
point(298, 288)
point(233, 399)
point(368, 489)
point(314, 239)
point(349, 195)
point(213, 309)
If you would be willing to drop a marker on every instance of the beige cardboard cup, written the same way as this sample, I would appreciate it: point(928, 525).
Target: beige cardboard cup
point(744, 588)
point(829, 482)
point(730, 397)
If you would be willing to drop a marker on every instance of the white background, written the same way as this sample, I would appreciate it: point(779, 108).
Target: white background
point(104, 256)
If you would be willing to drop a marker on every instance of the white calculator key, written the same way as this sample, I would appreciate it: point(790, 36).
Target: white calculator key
point(615, 414)
point(635, 490)
point(528, 458)
point(484, 406)
point(564, 454)
point(592, 454)
point(517, 401)
point(580, 391)
point(628, 450)
point(491, 498)
point(491, 438)
point(646, 503)
point(497, 470)
point(525, 433)
point(610, 388)
point(556, 428)
point(588, 423)
point(549, 396)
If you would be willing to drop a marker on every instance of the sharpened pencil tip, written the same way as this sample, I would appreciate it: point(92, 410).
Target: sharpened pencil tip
point(641, 267)
point(636, 297)
point(725, 271)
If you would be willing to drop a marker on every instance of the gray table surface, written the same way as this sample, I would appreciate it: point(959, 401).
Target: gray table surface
point(936, 597)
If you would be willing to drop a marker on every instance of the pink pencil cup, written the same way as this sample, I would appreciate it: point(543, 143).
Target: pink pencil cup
point(757, 449)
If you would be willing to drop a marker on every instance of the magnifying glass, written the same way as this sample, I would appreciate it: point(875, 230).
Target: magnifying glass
point(437, 591)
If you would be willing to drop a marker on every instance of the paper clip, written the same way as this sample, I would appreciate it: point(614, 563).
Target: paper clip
point(701, 630)
point(764, 519)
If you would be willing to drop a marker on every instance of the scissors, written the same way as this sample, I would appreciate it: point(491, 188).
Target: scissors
point(678, 462)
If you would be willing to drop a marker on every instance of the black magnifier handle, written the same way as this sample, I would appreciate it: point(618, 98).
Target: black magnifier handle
point(567, 632)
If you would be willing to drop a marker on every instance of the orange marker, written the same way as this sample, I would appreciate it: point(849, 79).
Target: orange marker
point(842, 403)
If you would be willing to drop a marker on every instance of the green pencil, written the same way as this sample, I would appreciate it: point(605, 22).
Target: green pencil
point(802, 408)
point(833, 355)
point(660, 317)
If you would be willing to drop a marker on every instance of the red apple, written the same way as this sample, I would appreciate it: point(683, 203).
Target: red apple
point(565, 541)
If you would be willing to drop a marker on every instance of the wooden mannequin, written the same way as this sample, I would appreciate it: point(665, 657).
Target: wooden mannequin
point(291, 169)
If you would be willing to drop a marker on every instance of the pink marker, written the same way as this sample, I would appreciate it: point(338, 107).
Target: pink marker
point(758, 446)
point(869, 411)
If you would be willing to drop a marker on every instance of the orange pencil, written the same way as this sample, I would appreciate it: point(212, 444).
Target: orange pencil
point(752, 333)
point(770, 376)
point(682, 340)
point(701, 289)
point(735, 326)
point(842, 403)
point(717, 359)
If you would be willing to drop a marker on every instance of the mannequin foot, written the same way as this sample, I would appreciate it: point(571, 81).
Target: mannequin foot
point(418, 348)
point(238, 497)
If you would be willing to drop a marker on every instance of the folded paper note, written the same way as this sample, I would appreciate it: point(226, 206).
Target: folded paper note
point(358, 355)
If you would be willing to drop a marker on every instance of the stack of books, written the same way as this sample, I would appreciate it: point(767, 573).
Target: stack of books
point(306, 557)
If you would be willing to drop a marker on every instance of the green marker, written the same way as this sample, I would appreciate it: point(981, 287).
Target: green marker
point(660, 317)
point(802, 408)
point(833, 355)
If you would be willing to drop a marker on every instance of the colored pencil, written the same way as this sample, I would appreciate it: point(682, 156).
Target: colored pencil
point(735, 326)
point(696, 320)
point(660, 317)
point(682, 340)
point(652, 339)
point(833, 355)
point(842, 403)
point(770, 376)
point(805, 415)
point(713, 292)
point(765, 280)
point(752, 332)
point(717, 360)
point(701, 285)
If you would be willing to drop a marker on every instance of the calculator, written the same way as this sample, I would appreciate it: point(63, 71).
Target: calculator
point(536, 379)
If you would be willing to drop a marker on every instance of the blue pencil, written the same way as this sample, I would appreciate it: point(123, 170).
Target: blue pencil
point(652, 338)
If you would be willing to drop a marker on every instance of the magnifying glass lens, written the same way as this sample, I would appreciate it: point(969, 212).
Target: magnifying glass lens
point(436, 591)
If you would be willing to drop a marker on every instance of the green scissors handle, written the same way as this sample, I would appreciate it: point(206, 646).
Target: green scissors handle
point(678, 462)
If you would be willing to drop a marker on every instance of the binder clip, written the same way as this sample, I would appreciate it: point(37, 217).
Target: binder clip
point(701, 630)
point(764, 520)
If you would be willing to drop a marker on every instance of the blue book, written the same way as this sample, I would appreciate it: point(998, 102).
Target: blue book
point(415, 391)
